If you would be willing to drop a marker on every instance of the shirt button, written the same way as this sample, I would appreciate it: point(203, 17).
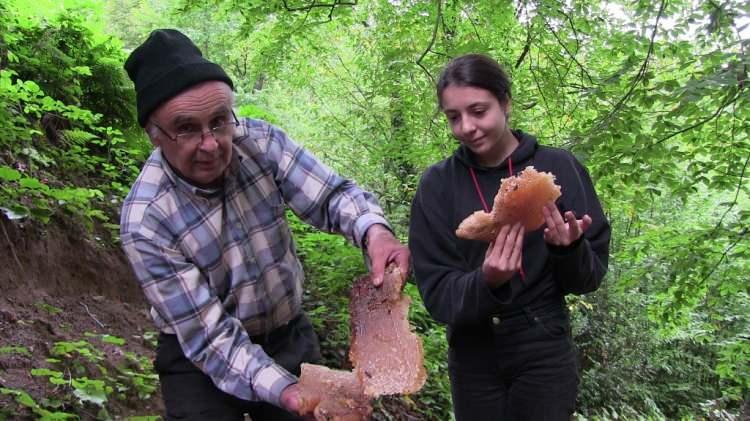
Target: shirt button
point(495, 320)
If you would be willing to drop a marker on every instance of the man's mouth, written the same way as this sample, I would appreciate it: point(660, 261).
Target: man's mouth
point(205, 164)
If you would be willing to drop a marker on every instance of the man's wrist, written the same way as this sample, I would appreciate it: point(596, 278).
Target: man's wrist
point(270, 382)
point(372, 231)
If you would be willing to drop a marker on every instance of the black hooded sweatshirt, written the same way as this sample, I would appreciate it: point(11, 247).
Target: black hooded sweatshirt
point(448, 269)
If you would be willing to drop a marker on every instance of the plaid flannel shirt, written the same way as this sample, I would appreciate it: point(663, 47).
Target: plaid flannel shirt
point(219, 265)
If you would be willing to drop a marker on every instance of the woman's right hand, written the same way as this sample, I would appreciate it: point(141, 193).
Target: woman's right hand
point(503, 257)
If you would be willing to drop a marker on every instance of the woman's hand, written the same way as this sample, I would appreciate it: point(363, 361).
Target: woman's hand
point(503, 257)
point(558, 231)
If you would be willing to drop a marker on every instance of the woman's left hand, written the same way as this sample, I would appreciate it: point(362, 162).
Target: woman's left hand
point(558, 231)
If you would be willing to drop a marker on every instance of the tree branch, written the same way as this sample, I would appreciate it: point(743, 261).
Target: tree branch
point(315, 4)
point(92, 316)
point(544, 98)
point(572, 56)
point(678, 132)
point(736, 195)
point(10, 244)
point(698, 124)
point(526, 47)
point(737, 192)
point(473, 26)
point(432, 41)
point(740, 235)
point(639, 76)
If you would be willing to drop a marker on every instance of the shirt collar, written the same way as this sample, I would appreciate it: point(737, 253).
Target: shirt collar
point(187, 186)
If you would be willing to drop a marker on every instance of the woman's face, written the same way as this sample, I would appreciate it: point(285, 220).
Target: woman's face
point(477, 119)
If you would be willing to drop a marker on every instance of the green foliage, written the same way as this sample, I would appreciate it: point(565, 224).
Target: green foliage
point(84, 372)
point(330, 266)
point(4, 350)
point(254, 111)
point(434, 398)
point(25, 400)
point(61, 96)
point(69, 66)
point(48, 308)
point(631, 374)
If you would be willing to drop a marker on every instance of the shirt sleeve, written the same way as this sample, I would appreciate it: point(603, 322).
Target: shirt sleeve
point(214, 341)
point(452, 292)
point(318, 195)
point(580, 267)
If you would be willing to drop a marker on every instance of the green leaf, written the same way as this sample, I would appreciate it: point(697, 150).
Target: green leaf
point(15, 211)
point(24, 399)
point(41, 214)
point(46, 372)
point(33, 184)
point(14, 350)
point(93, 391)
point(48, 308)
point(113, 340)
point(81, 70)
point(9, 174)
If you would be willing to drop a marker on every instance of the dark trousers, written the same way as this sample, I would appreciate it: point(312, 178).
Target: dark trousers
point(523, 368)
point(189, 394)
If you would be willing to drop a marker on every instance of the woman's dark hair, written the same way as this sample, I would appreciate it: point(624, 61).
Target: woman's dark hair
point(475, 70)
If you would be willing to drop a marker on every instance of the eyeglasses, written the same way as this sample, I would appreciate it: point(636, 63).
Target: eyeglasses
point(195, 137)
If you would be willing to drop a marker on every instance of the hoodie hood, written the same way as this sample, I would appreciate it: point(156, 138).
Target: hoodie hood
point(527, 146)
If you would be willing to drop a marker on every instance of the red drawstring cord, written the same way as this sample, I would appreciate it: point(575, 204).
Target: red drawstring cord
point(484, 203)
point(479, 191)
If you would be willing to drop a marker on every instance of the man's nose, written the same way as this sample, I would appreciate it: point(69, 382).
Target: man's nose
point(209, 142)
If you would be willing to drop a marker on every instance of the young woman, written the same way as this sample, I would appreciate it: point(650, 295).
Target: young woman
point(510, 350)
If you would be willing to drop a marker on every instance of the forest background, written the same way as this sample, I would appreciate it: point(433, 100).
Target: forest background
point(651, 95)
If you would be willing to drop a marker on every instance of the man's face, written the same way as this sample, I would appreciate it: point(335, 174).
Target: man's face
point(198, 109)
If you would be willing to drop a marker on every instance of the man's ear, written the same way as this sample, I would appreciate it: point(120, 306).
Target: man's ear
point(153, 135)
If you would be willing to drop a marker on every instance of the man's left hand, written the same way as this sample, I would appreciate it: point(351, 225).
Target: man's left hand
point(383, 249)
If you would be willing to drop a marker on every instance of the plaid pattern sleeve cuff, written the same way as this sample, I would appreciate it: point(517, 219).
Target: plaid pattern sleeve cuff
point(270, 381)
point(363, 223)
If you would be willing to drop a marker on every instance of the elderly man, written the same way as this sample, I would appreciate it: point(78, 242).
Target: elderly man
point(205, 231)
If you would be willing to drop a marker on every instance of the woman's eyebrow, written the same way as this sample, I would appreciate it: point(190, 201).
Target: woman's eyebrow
point(473, 104)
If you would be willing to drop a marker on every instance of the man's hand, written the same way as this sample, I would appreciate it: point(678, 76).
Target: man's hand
point(383, 248)
point(290, 398)
point(290, 401)
point(561, 232)
point(503, 257)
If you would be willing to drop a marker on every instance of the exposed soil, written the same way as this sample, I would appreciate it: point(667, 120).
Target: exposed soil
point(57, 285)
